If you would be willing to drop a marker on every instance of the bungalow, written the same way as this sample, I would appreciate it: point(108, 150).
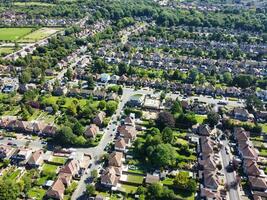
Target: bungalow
point(99, 94)
point(233, 91)
point(36, 159)
point(115, 159)
point(92, 131)
point(99, 119)
point(136, 100)
point(56, 191)
point(120, 145)
point(104, 78)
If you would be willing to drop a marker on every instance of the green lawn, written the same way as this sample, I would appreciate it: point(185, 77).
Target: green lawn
point(36, 193)
point(33, 4)
point(39, 34)
point(135, 179)
point(60, 160)
point(200, 118)
point(129, 188)
point(167, 181)
point(42, 180)
point(68, 101)
point(12, 174)
point(6, 50)
point(181, 141)
point(264, 127)
point(13, 34)
point(263, 152)
point(49, 169)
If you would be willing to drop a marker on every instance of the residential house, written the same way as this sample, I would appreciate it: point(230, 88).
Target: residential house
point(251, 168)
point(120, 145)
point(115, 159)
point(110, 177)
point(241, 114)
point(36, 159)
point(49, 130)
point(6, 151)
point(211, 179)
point(56, 191)
point(92, 131)
point(99, 119)
point(60, 91)
point(23, 154)
point(205, 130)
point(127, 132)
point(258, 183)
point(71, 167)
point(136, 100)
point(104, 78)
point(151, 178)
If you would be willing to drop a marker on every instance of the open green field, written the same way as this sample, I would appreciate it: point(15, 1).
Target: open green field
point(39, 34)
point(13, 34)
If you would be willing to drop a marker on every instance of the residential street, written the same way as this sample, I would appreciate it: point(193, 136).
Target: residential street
point(229, 177)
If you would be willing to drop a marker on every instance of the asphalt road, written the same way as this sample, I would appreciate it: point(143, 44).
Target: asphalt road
point(229, 177)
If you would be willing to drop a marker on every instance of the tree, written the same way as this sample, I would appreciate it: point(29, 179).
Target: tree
point(193, 75)
point(94, 174)
point(167, 135)
point(69, 74)
point(90, 82)
point(227, 78)
point(9, 190)
point(102, 105)
point(176, 107)
point(111, 107)
point(213, 118)
point(243, 81)
point(99, 66)
point(252, 102)
point(165, 119)
point(163, 155)
point(90, 190)
point(65, 135)
point(186, 120)
point(25, 77)
point(182, 181)
point(78, 129)
point(120, 91)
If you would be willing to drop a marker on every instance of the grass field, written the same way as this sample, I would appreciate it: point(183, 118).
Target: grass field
point(129, 188)
point(6, 50)
point(49, 169)
point(201, 118)
point(60, 160)
point(32, 4)
point(135, 179)
point(13, 34)
point(39, 34)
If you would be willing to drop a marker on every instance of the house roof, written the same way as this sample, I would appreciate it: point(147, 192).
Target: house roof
point(109, 177)
point(206, 144)
point(120, 143)
point(258, 182)
point(35, 157)
point(115, 159)
point(152, 178)
point(92, 130)
point(127, 131)
point(71, 167)
point(210, 179)
point(251, 167)
point(56, 190)
point(204, 129)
